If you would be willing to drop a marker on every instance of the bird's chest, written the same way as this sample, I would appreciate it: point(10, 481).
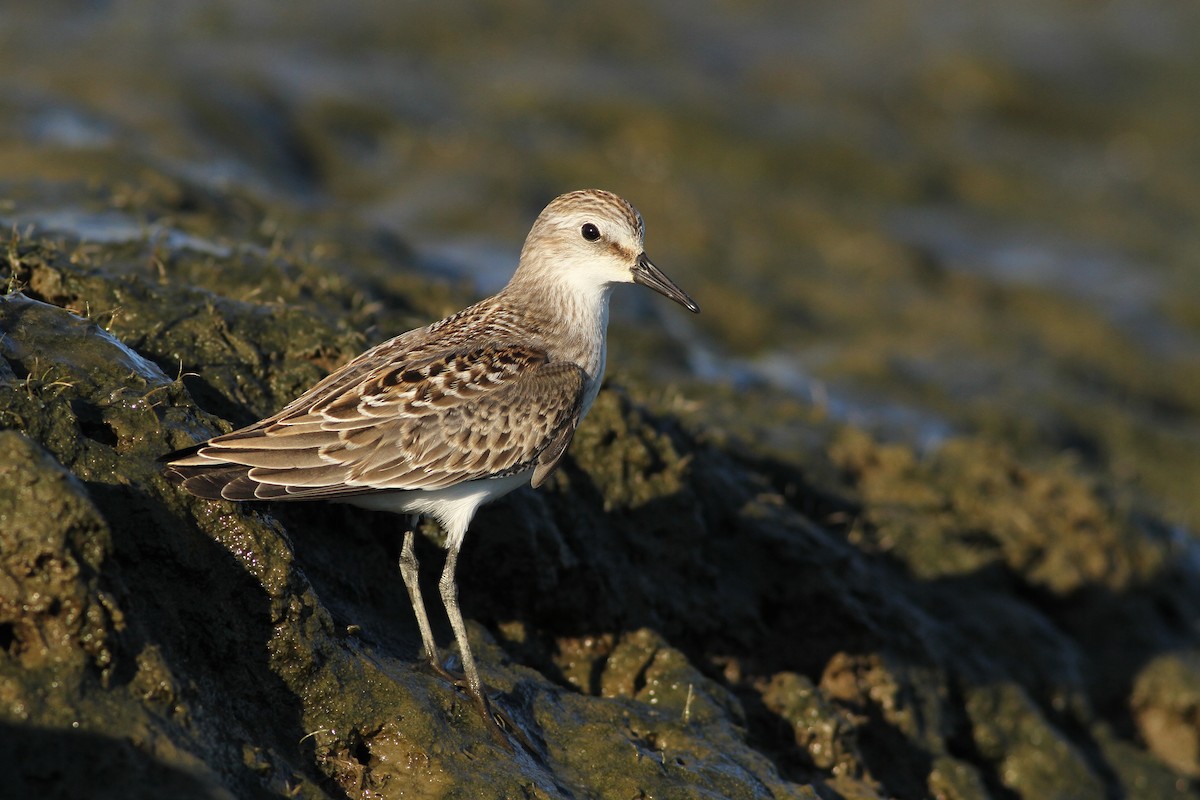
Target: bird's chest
point(577, 334)
point(595, 372)
point(593, 355)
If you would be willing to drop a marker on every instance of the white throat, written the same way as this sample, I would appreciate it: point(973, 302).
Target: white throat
point(571, 296)
point(585, 310)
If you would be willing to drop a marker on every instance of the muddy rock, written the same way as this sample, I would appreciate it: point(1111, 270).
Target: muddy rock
point(674, 615)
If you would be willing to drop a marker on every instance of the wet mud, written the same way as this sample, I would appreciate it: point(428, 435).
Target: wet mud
point(671, 616)
point(909, 511)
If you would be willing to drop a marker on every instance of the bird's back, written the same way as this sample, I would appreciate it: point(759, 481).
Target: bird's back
point(475, 395)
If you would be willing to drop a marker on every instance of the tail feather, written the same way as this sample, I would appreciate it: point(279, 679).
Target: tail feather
point(215, 480)
point(212, 481)
point(179, 455)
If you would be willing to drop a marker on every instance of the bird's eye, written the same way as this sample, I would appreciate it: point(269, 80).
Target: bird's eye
point(590, 232)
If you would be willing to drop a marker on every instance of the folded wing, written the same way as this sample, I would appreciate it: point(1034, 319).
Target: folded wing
point(375, 425)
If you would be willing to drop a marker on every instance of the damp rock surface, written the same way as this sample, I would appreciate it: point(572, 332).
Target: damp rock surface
point(908, 511)
point(670, 616)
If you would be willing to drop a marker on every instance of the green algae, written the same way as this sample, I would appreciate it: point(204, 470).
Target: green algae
point(972, 505)
point(726, 591)
point(672, 660)
point(69, 710)
point(55, 613)
point(629, 462)
point(824, 733)
point(780, 154)
point(1165, 703)
point(348, 715)
point(1030, 757)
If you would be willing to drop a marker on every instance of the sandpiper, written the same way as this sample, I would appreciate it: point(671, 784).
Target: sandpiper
point(441, 419)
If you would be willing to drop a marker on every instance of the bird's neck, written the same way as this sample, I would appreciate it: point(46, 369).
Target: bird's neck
point(572, 322)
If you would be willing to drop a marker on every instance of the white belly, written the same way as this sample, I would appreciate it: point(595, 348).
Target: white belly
point(453, 506)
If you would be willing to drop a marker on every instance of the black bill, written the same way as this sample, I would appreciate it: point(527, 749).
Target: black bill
point(646, 274)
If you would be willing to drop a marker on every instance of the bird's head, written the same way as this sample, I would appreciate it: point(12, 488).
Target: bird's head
point(589, 240)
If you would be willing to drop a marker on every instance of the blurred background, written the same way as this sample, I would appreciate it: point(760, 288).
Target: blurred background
point(970, 229)
point(924, 218)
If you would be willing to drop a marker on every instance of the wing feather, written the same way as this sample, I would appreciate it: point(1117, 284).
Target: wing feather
point(480, 411)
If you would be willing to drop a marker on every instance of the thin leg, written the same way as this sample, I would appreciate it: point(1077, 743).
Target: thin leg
point(450, 600)
point(410, 571)
point(497, 720)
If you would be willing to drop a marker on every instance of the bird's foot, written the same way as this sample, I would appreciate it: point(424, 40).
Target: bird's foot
point(503, 729)
point(453, 677)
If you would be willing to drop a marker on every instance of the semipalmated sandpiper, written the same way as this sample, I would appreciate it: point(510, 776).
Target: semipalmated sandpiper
point(442, 419)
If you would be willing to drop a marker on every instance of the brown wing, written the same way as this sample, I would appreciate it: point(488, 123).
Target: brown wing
point(486, 411)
